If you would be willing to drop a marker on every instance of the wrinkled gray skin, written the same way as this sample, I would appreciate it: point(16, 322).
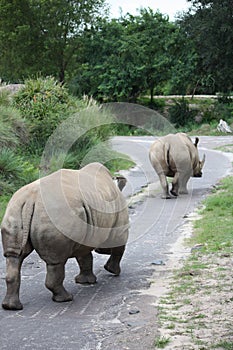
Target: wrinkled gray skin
point(57, 216)
point(175, 156)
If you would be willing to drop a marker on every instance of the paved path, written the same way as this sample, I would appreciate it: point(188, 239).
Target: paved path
point(112, 314)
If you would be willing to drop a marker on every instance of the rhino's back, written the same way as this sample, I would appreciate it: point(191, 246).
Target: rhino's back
point(171, 153)
point(84, 205)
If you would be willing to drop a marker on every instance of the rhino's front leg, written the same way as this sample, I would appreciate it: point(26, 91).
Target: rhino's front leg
point(11, 300)
point(86, 274)
point(54, 282)
point(113, 263)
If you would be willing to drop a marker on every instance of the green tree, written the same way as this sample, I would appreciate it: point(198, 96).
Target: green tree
point(154, 35)
point(183, 69)
point(123, 77)
point(43, 36)
point(131, 56)
point(210, 27)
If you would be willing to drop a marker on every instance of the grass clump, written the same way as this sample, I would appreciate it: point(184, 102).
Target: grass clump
point(13, 130)
point(214, 230)
point(223, 345)
point(161, 342)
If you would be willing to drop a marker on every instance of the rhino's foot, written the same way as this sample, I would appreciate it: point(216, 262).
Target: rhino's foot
point(11, 304)
point(112, 267)
point(183, 192)
point(65, 296)
point(85, 278)
point(174, 193)
point(166, 196)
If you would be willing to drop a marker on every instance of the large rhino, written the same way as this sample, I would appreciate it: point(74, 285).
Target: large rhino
point(63, 215)
point(175, 156)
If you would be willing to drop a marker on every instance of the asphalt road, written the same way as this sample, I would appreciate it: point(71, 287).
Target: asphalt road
point(113, 313)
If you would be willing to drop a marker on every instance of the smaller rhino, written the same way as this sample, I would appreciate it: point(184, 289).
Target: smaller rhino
point(175, 155)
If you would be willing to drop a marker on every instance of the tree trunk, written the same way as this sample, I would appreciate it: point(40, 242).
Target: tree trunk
point(62, 75)
point(151, 95)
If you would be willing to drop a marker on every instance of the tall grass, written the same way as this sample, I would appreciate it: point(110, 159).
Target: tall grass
point(13, 129)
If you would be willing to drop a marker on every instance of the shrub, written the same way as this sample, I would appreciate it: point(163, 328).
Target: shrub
point(224, 109)
point(180, 113)
point(44, 103)
point(14, 171)
point(10, 165)
point(5, 98)
point(4, 200)
point(77, 138)
point(12, 128)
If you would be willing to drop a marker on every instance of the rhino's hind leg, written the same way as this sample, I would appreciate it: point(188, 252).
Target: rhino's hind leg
point(54, 282)
point(113, 263)
point(175, 185)
point(11, 300)
point(165, 187)
point(86, 274)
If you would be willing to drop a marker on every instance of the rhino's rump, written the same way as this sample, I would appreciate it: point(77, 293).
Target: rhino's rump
point(89, 211)
point(171, 154)
point(82, 206)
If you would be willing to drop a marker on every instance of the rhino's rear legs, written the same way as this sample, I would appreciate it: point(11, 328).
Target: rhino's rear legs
point(54, 282)
point(113, 263)
point(11, 300)
point(183, 183)
point(86, 274)
point(165, 187)
point(175, 185)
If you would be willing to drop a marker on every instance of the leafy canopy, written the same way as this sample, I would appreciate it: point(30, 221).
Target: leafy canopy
point(43, 36)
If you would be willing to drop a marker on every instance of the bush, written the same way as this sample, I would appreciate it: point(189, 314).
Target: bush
point(10, 166)
point(224, 110)
point(180, 114)
point(12, 128)
point(76, 138)
point(5, 98)
point(14, 171)
point(44, 103)
point(4, 200)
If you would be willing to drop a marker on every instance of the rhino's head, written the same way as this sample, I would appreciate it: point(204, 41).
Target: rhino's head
point(120, 181)
point(197, 171)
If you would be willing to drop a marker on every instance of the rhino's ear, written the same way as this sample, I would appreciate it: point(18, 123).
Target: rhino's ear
point(196, 141)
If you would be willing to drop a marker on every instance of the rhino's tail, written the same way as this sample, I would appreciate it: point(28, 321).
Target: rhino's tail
point(167, 153)
point(27, 214)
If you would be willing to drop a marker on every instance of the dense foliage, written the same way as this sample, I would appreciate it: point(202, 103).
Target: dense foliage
point(118, 59)
point(44, 128)
point(209, 26)
point(79, 49)
point(43, 36)
point(132, 56)
point(44, 103)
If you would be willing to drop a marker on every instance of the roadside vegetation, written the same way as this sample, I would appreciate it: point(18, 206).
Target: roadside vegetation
point(196, 312)
point(134, 55)
point(30, 116)
point(137, 58)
